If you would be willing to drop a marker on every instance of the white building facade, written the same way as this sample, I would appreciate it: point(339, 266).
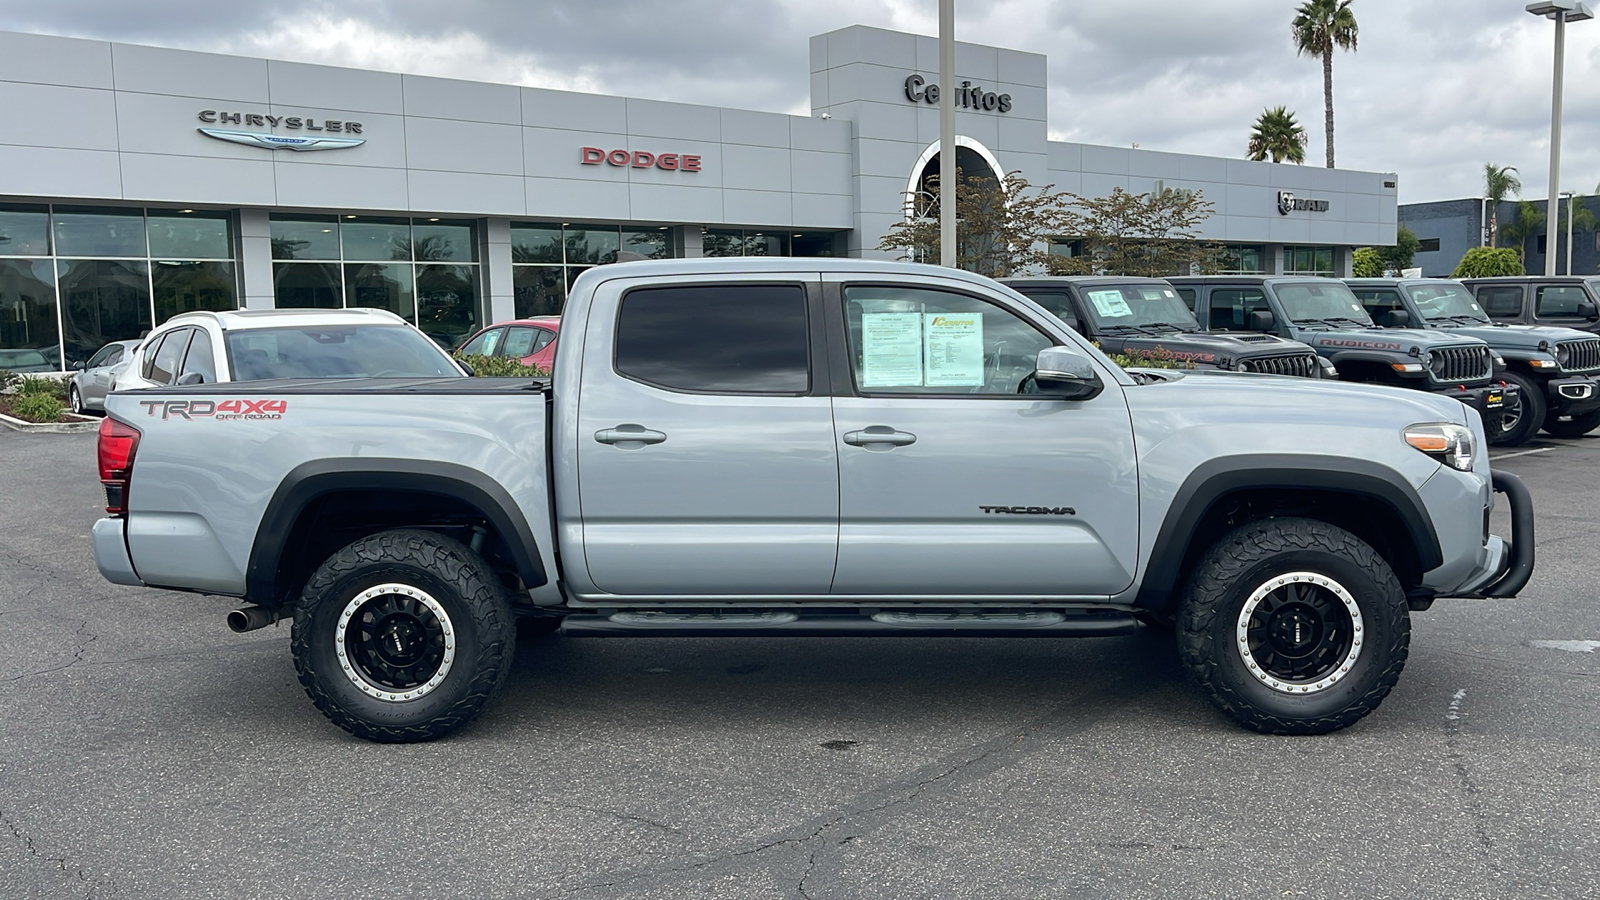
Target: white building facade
point(139, 182)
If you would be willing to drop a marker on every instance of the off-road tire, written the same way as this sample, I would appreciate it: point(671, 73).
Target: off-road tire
point(1531, 395)
point(1534, 407)
point(1575, 426)
point(468, 603)
point(1247, 560)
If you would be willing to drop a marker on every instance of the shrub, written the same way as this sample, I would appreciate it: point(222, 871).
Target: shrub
point(1367, 263)
point(501, 367)
point(37, 408)
point(1487, 262)
point(29, 385)
point(8, 379)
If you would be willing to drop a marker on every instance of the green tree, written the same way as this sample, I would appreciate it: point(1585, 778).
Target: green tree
point(1404, 252)
point(1530, 218)
point(1319, 27)
point(1002, 228)
point(1367, 262)
point(1499, 182)
point(1151, 234)
point(1278, 135)
point(1487, 262)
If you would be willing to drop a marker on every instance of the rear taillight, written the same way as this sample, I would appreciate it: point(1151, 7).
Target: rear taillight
point(118, 442)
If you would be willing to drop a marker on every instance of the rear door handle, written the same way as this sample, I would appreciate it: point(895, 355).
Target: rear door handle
point(629, 434)
point(879, 435)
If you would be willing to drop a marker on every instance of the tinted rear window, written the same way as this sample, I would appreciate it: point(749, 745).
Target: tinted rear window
point(344, 351)
point(732, 339)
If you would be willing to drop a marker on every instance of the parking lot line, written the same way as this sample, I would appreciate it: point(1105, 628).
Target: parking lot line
point(1520, 453)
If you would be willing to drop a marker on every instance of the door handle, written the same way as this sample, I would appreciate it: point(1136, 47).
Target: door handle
point(629, 434)
point(879, 434)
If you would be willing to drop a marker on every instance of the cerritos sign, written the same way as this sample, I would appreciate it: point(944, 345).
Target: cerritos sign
point(272, 141)
point(968, 96)
point(1288, 203)
point(641, 159)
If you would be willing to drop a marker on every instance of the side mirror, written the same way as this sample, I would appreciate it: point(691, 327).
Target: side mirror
point(191, 378)
point(1261, 320)
point(466, 368)
point(1588, 311)
point(1066, 374)
point(81, 366)
point(1399, 318)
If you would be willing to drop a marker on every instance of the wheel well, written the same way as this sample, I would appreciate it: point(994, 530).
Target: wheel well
point(339, 518)
point(1367, 517)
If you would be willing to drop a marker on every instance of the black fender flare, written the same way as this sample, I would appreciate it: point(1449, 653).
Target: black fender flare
point(1215, 479)
point(308, 481)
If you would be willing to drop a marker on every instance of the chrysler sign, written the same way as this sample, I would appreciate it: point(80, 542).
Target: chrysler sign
point(273, 141)
point(1288, 203)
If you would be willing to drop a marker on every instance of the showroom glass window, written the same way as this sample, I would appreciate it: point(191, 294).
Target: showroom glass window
point(1308, 261)
point(425, 270)
point(765, 242)
point(547, 257)
point(73, 279)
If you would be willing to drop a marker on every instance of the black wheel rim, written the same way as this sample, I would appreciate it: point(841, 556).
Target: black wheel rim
point(1300, 632)
point(395, 642)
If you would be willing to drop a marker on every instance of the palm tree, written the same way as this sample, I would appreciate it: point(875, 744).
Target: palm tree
point(1277, 134)
point(1499, 182)
point(1530, 218)
point(1319, 26)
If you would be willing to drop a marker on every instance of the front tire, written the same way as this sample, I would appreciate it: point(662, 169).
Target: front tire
point(1574, 426)
point(403, 636)
point(1293, 626)
point(75, 400)
point(1517, 425)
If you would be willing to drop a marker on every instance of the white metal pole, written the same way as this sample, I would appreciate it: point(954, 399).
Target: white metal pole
point(947, 133)
point(1555, 145)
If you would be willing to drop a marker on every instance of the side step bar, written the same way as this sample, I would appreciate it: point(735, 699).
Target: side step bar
point(1040, 623)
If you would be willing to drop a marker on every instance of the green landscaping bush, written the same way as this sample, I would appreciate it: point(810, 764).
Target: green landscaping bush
point(1367, 263)
point(501, 367)
point(29, 385)
point(1487, 262)
point(37, 408)
point(1149, 359)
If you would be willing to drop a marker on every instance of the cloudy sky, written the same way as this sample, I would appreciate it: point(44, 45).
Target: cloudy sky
point(1436, 89)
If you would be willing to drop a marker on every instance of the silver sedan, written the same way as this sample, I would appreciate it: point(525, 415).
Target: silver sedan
point(98, 377)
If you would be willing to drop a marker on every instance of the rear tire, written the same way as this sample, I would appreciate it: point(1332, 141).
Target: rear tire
point(1529, 416)
point(1293, 626)
point(1575, 426)
point(403, 636)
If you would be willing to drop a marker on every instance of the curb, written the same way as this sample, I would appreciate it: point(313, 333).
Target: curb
point(82, 424)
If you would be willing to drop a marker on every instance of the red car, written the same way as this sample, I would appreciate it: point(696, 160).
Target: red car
point(533, 341)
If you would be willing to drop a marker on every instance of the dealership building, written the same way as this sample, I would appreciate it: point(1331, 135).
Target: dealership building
point(138, 182)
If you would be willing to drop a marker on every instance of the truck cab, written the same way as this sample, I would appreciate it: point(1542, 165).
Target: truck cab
point(1557, 370)
point(1323, 313)
point(1563, 301)
point(1143, 318)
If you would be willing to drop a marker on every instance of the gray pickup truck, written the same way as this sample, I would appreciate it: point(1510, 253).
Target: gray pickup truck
point(776, 447)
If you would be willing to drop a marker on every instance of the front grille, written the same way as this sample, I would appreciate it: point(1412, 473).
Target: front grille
point(1301, 364)
point(1579, 356)
point(1461, 364)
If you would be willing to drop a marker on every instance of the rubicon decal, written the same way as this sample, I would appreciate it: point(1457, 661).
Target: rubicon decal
point(225, 410)
point(1031, 510)
point(1365, 345)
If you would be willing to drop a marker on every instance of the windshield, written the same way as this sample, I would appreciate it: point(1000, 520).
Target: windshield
point(24, 361)
point(342, 351)
point(1446, 301)
point(1322, 302)
point(1139, 306)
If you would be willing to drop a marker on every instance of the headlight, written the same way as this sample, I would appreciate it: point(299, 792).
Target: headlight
point(1449, 444)
point(1436, 362)
point(1563, 355)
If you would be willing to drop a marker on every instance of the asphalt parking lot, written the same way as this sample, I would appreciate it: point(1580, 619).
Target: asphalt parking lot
point(146, 751)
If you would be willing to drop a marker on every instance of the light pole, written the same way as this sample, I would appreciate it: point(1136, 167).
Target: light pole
point(1567, 196)
point(1562, 11)
point(947, 133)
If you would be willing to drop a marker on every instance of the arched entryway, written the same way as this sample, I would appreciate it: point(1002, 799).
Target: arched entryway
point(973, 160)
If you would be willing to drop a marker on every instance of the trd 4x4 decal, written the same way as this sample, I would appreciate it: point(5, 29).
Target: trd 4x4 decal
point(212, 409)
